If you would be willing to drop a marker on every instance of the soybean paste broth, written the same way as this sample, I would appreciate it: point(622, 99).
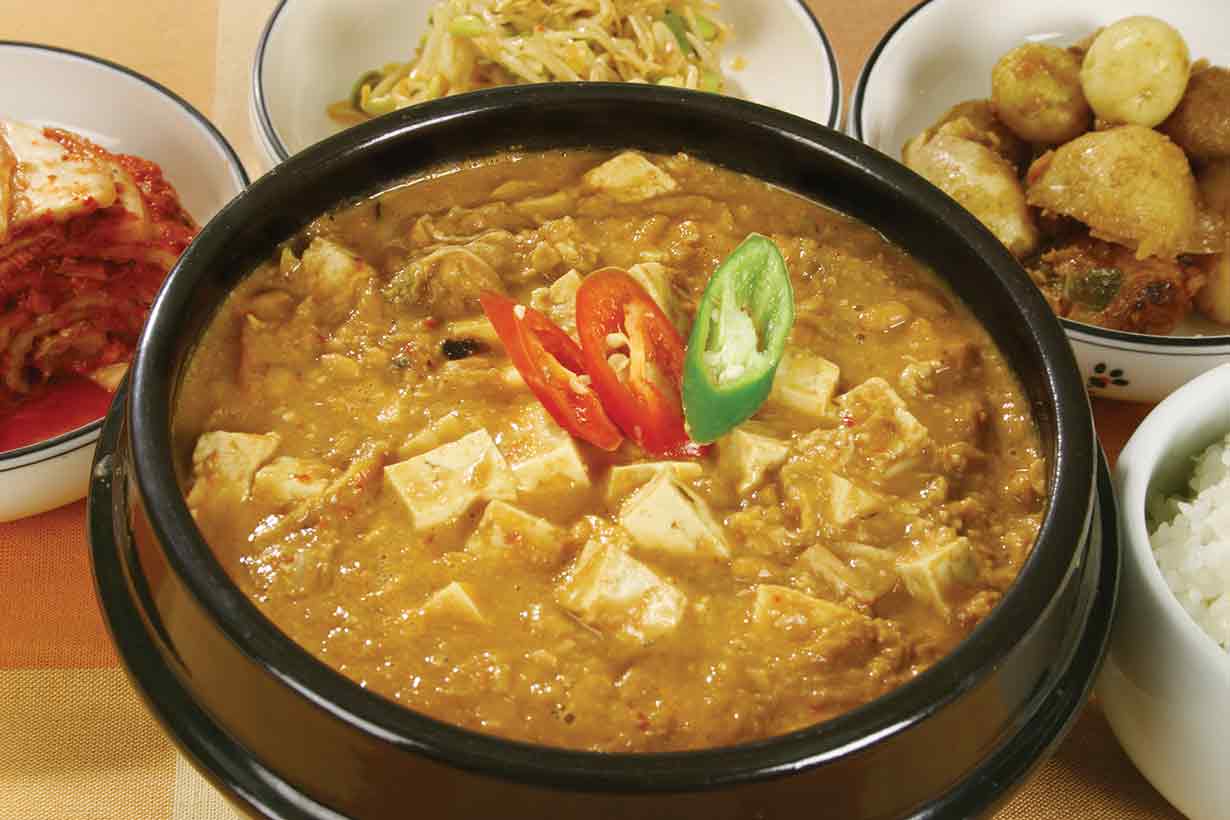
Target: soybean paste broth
point(844, 539)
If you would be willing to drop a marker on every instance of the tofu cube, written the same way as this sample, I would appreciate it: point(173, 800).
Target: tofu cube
point(627, 478)
point(788, 609)
point(453, 604)
point(666, 516)
point(558, 470)
point(848, 502)
point(505, 530)
point(559, 301)
point(826, 630)
point(885, 434)
point(744, 458)
point(629, 177)
point(286, 479)
point(862, 572)
point(934, 569)
point(618, 595)
point(545, 459)
point(805, 384)
point(224, 464)
point(441, 485)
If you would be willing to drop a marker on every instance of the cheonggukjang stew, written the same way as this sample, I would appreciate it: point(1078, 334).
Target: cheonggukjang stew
point(370, 466)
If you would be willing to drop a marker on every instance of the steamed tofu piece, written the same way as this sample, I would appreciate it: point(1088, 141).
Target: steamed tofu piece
point(224, 464)
point(934, 569)
point(667, 516)
point(834, 632)
point(505, 530)
point(805, 384)
point(335, 278)
point(846, 501)
point(558, 301)
point(545, 459)
point(453, 604)
point(744, 457)
point(860, 571)
point(287, 479)
point(618, 595)
point(629, 177)
point(627, 478)
point(441, 485)
point(886, 436)
point(56, 184)
point(558, 469)
point(790, 610)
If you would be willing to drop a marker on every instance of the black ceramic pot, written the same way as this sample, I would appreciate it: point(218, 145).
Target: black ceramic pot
point(287, 737)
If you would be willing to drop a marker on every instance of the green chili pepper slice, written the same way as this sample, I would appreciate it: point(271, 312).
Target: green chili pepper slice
point(679, 27)
point(737, 339)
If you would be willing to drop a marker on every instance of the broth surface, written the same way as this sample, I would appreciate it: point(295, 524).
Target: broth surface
point(370, 469)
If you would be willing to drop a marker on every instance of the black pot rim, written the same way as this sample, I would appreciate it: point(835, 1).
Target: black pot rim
point(1062, 534)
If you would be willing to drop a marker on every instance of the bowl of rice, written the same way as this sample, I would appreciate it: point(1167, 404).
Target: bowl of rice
point(1165, 686)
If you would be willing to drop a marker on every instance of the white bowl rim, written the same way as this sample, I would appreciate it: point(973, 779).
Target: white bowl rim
point(85, 435)
point(1185, 345)
point(271, 140)
point(1133, 473)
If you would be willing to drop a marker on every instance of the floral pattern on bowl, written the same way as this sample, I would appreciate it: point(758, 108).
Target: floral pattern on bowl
point(1137, 367)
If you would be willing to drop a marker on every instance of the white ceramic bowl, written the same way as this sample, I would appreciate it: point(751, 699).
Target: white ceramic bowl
point(1165, 685)
point(121, 111)
point(942, 52)
point(312, 51)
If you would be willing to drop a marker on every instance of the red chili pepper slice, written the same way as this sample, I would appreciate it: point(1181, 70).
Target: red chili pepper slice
point(550, 363)
point(646, 403)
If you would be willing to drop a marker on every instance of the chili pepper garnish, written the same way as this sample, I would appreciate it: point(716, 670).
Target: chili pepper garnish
point(737, 339)
point(553, 368)
point(615, 314)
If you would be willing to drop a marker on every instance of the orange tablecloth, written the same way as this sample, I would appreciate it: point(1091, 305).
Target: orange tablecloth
point(75, 741)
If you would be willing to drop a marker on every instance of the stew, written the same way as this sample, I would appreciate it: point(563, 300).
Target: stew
point(359, 445)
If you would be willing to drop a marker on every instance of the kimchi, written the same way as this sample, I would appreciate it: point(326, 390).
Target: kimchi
point(86, 238)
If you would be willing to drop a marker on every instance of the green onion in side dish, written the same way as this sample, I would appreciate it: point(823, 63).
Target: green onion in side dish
point(737, 339)
point(679, 27)
point(467, 25)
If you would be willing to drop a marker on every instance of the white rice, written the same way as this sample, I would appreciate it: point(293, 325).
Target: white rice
point(1193, 548)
